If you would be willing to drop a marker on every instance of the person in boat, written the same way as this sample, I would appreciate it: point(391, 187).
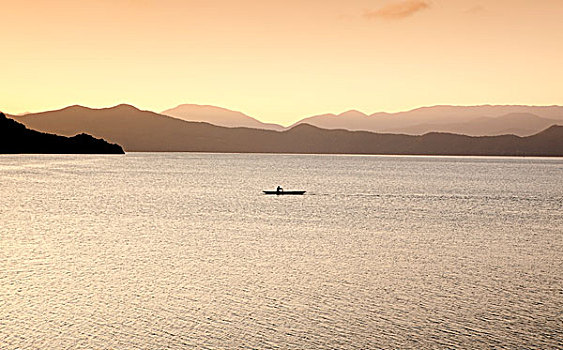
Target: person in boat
point(279, 189)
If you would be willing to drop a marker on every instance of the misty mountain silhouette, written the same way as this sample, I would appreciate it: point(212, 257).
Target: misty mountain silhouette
point(467, 120)
point(147, 131)
point(16, 138)
point(520, 124)
point(218, 116)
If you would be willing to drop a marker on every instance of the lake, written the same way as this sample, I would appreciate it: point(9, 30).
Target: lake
point(183, 250)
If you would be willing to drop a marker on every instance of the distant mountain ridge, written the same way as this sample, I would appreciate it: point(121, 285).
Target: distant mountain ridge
point(218, 116)
point(464, 120)
point(138, 130)
point(520, 124)
point(16, 138)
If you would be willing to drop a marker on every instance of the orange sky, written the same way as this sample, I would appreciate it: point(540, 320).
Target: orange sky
point(280, 61)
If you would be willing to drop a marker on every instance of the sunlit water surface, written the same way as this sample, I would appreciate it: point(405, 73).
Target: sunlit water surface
point(183, 251)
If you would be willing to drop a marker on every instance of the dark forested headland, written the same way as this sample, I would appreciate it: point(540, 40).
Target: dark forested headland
point(16, 138)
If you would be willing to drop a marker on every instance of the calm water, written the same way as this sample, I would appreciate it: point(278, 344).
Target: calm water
point(181, 250)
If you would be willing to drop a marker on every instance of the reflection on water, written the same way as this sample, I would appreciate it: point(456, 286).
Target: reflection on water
point(182, 250)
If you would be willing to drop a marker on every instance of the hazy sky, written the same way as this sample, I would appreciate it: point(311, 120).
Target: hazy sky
point(280, 61)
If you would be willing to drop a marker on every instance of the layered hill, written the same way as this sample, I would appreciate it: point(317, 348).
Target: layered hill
point(148, 131)
point(218, 116)
point(520, 124)
point(16, 138)
point(466, 120)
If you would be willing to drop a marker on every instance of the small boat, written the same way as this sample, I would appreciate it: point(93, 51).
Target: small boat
point(284, 192)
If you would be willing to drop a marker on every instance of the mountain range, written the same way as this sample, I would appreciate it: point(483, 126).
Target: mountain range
point(138, 130)
point(473, 120)
point(483, 120)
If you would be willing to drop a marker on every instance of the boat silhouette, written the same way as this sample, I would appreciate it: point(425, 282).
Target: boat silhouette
point(282, 192)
